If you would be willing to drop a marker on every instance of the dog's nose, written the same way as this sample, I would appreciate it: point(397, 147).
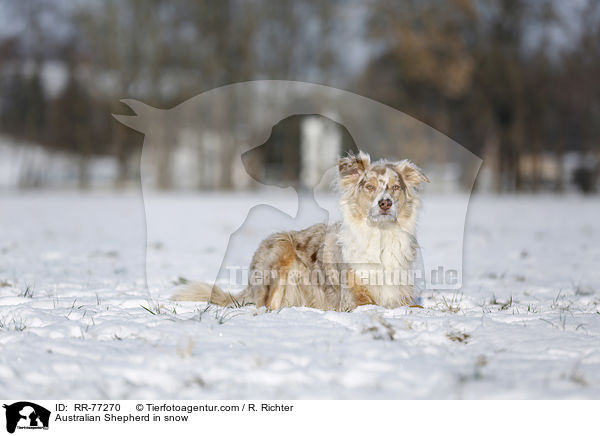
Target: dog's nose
point(385, 204)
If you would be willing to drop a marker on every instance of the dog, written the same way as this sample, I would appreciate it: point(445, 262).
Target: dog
point(366, 258)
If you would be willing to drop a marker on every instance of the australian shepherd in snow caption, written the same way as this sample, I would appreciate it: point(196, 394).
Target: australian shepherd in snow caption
point(361, 260)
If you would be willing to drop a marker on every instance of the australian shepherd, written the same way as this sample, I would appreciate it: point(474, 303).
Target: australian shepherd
point(367, 258)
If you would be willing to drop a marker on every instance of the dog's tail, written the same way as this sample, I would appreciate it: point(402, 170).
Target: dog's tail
point(200, 291)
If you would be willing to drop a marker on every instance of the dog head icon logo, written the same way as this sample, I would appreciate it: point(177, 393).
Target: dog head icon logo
point(24, 414)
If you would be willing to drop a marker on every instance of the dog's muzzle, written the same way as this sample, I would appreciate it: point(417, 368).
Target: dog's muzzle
point(383, 209)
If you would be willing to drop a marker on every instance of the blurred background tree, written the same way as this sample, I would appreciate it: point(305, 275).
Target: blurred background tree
point(514, 81)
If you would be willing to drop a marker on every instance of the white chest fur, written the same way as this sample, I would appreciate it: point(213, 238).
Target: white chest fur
point(391, 247)
point(382, 260)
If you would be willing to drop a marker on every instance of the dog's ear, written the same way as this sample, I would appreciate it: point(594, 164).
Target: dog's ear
point(351, 167)
point(411, 174)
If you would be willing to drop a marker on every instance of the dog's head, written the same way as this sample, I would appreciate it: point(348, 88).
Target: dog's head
point(381, 193)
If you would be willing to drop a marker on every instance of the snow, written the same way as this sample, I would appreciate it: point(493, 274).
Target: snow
point(77, 320)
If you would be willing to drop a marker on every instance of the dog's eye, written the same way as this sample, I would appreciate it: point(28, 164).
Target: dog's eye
point(369, 187)
point(396, 187)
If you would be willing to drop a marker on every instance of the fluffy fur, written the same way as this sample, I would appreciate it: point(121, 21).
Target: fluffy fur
point(364, 259)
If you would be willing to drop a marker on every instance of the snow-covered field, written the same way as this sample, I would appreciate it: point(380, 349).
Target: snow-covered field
point(77, 321)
